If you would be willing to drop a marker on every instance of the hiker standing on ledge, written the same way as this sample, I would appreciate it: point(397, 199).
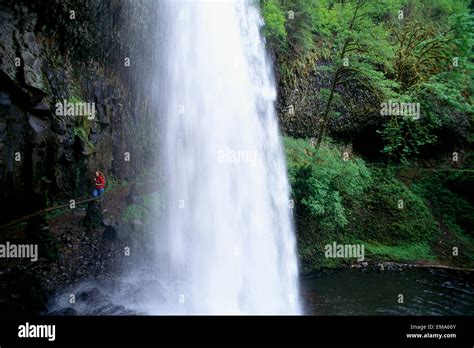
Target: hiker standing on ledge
point(99, 184)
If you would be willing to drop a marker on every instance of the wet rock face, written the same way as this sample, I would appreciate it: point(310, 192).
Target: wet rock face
point(5, 103)
point(32, 65)
point(301, 106)
point(94, 216)
point(23, 136)
point(7, 49)
point(20, 59)
point(46, 157)
point(38, 232)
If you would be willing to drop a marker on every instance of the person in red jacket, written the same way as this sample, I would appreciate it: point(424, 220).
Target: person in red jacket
point(99, 184)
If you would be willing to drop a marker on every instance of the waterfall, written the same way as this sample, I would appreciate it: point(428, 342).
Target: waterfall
point(221, 240)
point(226, 243)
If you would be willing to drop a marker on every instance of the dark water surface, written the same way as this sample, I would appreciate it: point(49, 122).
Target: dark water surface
point(347, 292)
point(425, 292)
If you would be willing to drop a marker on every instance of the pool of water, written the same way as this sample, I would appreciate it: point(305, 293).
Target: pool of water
point(424, 291)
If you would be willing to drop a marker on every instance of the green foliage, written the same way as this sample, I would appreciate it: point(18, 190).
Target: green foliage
point(337, 62)
point(75, 99)
point(391, 214)
point(451, 209)
point(135, 212)
point(322, 182)
point(82, 134)
point(433, 68)
point(322, 179)
point(404, 136)
point(405, 252)
point(291, 25)
point(446, 112)
point(349, 202)
point(302, 24)
point(447, 98)
point(274, 29)
point(357, 45)
point(82, 127)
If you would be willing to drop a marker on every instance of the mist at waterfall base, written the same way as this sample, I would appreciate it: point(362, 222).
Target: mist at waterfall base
point(223, 239)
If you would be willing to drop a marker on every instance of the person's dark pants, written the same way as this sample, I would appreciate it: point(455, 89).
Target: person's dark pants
point(97, 192)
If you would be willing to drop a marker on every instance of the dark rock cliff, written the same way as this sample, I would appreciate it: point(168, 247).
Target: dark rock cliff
point(52, 52)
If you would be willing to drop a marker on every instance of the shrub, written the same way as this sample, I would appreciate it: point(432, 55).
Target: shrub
point(274, 28)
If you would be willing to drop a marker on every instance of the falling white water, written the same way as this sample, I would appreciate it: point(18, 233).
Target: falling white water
point(226, 243)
